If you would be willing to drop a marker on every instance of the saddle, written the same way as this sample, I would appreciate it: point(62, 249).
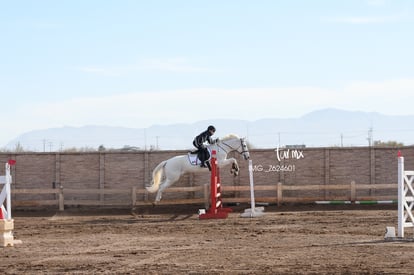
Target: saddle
point(193, 157)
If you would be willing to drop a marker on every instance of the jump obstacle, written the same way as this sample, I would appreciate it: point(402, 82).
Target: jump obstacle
point(253, 211)
point(405, 203)
point(6, 221)
point(216, 210)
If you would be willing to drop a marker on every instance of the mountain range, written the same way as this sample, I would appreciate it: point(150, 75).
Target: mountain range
point(327, 127)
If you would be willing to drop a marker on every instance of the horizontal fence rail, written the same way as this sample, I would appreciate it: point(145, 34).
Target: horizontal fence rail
point(273, 194)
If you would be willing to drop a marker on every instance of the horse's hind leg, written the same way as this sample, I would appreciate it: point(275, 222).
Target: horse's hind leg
point(162, 187)
point(159, 195)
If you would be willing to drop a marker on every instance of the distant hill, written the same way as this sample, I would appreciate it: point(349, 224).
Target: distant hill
point(328, 127)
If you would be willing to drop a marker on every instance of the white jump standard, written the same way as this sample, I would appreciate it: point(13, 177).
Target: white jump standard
point(405, 203)
point(6, 221)
point(253, 211)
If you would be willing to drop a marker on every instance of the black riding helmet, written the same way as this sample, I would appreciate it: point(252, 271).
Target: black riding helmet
point(211, 128)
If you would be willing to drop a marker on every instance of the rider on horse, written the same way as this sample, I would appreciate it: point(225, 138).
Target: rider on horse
point(199, 144)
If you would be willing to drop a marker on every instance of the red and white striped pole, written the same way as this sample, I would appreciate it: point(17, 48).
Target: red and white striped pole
point(216, 210)
point(215, 184)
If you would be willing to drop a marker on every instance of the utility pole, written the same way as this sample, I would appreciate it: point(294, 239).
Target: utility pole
point(370, 137)
point(145, 139)
point(50, 146)
point(278, 136)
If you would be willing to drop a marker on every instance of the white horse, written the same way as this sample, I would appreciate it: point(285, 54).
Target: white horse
point(169, 171)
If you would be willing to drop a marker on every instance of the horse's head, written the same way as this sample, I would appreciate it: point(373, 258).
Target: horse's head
point(244, 149)
point(234, 143)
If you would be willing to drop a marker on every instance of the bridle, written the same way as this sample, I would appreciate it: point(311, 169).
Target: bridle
point(233, 149)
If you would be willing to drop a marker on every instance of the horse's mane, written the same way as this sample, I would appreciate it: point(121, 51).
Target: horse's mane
point(229, 136)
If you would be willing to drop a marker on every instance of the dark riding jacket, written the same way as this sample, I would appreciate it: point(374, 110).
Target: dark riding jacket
point(201, 138)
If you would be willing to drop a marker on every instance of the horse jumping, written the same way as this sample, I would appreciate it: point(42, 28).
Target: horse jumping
point(169, 171)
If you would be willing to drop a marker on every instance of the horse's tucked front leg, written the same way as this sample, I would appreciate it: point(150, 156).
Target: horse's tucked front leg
point(235, 168)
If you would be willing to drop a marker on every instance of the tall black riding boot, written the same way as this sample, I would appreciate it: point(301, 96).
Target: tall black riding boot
point(208, 165)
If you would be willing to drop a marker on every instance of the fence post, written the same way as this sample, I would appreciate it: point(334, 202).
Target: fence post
point(61, 199)
point(147, 172)
point(134, 196)
point(279, 194)
point(353, 192)
point(102, 176)
point(327, 170)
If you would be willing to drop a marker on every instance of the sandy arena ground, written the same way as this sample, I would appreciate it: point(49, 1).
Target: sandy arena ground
point(287, 240)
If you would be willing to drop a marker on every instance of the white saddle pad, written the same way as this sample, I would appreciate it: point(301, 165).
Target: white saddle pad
point(194, 160)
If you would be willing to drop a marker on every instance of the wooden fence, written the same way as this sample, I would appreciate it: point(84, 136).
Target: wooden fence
point(273, 194)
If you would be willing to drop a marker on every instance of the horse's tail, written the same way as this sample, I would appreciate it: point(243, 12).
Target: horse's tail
point(156, 177)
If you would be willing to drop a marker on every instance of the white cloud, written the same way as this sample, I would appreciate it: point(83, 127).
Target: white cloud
point(47, 26)
point(146, 108)
point(178, 64)
point(104, 71)
point(357, 20)
point(175, 65)
point(143, 109)
point(393, 97)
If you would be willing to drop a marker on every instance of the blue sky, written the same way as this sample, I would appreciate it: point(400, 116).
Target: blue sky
point(138, 63)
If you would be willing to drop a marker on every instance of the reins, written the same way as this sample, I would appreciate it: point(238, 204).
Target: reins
point(232, 149)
